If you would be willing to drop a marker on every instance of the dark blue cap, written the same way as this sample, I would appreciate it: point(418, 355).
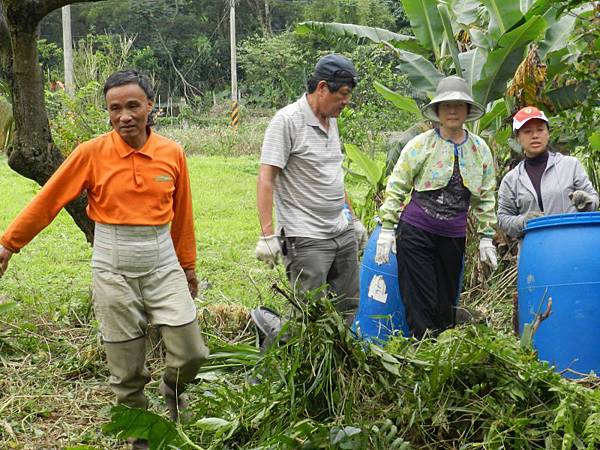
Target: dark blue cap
point(336, 67)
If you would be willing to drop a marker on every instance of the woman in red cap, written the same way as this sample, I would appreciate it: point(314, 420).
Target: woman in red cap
point(545, 182)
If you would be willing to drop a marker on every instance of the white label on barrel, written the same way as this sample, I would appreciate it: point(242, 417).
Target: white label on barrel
point(377, 289)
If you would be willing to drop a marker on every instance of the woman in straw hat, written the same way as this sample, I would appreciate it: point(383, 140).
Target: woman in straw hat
point(545, 182)
point(441, 173)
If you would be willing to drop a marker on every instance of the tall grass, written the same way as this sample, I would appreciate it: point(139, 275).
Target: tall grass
point(212, 134)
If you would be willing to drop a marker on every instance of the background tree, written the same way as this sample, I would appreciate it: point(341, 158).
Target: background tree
point(33, 153)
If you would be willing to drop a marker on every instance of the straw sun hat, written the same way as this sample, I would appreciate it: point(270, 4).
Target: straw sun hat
point(453, 88)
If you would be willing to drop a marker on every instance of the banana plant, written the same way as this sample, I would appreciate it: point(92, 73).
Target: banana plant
point(498, 32)
point(374, 173)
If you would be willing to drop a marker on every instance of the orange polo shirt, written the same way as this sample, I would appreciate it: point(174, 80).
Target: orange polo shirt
point(150, 186)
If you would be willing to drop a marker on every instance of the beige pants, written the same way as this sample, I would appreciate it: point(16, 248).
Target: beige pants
point(137, 280)
point(124, 306)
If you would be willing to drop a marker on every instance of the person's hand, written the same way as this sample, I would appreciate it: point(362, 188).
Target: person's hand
point(360, 233)
point(581, 200)
point(386, 243)
point(487, 253)
point(5, 255)
point(268, 250)
point(528, 216)
point(192, 281)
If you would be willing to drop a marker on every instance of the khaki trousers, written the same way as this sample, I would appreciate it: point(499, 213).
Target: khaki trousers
point(124, 306)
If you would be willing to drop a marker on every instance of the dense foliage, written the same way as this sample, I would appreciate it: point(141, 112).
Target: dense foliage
point(185, 43)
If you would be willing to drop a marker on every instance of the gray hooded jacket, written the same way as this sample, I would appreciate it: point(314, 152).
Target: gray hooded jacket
point(517, 197)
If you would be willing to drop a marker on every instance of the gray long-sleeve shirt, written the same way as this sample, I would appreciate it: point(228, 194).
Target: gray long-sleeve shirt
point(517, 196)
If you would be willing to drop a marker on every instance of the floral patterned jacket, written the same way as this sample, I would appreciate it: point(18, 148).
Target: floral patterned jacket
point(426, 164)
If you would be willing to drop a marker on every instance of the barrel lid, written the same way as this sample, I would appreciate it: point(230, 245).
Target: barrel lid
point(555, 220)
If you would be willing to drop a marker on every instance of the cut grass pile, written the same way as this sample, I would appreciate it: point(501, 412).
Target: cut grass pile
point(471, 388)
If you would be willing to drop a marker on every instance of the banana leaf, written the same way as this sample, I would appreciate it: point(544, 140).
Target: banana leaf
point(402, 102)
point(373, 171)
point(421, 73)
point(445, 16)
point(527, 4)
point(499, 111)
point(377, 35)
point(558, 32)
point(504, 60)
point(537, 8)
point(472, 63)
point(557, 62)
point(569, 96)
point(426, 23)
point(467, 12)
point(131, 422)
point(504, 14)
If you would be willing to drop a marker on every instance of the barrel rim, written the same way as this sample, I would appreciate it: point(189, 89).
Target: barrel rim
point(555, 220)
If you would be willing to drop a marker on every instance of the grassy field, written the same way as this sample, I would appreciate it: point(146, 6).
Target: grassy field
point(52, 331)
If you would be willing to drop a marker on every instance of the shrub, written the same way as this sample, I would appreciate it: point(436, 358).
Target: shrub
point(275, 69)
point(75, 119)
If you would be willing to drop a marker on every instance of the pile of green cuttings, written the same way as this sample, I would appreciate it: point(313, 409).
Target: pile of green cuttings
point(325, 389)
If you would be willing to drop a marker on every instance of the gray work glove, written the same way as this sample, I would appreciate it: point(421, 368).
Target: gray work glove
point(581, 200)
point(360, 233)
point(385, 244)
point(487, 253)
point(524, 218)
point(268, 250)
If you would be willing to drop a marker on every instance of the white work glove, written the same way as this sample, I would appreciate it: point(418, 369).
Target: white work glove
point(385, 244)
point(528, 216)
point(268, 250)
point(487, 253)
point(581, 200)
point(360, 233)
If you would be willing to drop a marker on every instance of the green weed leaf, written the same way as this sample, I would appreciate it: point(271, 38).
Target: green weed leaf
point(138, 423)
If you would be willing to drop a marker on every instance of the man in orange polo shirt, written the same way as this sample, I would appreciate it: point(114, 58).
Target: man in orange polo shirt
point(137, 184)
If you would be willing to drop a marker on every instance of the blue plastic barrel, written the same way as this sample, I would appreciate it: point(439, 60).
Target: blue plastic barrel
point(381, 310)
point(560, 259)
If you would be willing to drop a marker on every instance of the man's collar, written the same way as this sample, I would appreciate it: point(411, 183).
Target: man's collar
point(124, 149)
point(309, 114)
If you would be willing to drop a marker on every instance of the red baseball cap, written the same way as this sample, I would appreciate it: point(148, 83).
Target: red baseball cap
point(524, 115)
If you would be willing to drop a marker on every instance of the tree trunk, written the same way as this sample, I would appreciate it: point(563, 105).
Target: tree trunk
point(33, 154)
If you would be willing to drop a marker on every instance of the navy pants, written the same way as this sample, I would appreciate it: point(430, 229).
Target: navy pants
point(429, 270)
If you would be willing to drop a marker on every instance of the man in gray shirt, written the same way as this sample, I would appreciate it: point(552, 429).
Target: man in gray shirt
point(301, 170)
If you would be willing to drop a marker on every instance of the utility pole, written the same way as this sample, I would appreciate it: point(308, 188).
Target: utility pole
point(267, 18)
point(234, 88)
point(68, 49)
